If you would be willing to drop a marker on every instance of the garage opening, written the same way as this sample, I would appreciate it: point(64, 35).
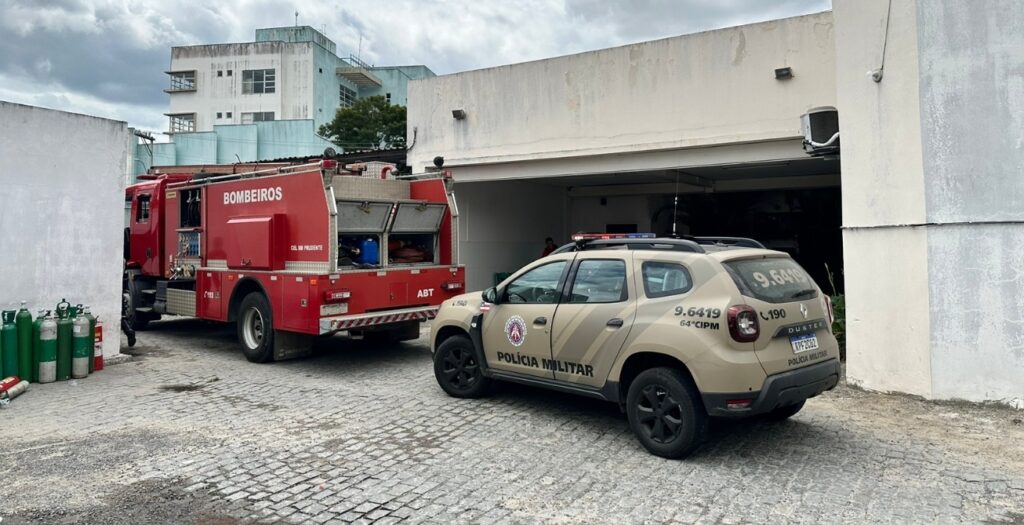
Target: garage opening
point(793, 206)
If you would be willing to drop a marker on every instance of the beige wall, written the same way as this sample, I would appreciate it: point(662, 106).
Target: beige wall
point(886, 262)
point(704, 89)
point(883, 178)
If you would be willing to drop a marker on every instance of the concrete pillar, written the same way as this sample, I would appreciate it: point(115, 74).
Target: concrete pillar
point(933, 200)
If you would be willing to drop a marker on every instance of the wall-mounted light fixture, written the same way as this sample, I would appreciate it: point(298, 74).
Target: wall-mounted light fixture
point(459, 114)
point(784, 73)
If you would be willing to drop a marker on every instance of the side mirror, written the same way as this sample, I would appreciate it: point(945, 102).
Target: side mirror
point(490, 295)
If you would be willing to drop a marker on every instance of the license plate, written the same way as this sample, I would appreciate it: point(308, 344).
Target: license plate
point(804, 343)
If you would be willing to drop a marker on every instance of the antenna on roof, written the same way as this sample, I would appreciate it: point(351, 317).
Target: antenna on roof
point(296, 18)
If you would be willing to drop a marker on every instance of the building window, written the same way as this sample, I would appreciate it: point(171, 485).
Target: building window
point(387, 96)
point(220, 73)
point(219, 115)
point(228, 114)
point(258, 81)
point(183, 123)
point(229, 72)
point(183, 81)
point(348, 96)
point(259, 116)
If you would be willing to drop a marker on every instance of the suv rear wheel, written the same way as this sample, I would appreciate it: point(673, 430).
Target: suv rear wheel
point(665, 413)
point(457, 369)
point(786, 412)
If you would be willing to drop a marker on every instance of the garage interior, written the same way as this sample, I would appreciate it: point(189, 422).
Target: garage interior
point(792, 205)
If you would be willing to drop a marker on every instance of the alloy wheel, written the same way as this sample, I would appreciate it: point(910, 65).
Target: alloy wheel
point(660, 415)
point(460, 369)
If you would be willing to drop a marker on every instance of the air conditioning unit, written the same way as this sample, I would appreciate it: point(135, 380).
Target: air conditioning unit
point(820, 127)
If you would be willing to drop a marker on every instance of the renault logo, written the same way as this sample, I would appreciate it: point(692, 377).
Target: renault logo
point(803, 311)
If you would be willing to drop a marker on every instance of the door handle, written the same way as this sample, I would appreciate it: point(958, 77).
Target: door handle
point(541, 320)
point(615, 323)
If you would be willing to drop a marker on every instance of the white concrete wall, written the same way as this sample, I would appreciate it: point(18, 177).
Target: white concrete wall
point(587, 214)
point(933, 200)
point(703, 89)
point(972, 122)
point(293, 97)
point(62, 212)
point(502, 226)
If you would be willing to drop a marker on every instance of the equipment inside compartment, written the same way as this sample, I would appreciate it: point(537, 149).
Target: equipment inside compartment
point(411, 248)
point(364, 251)
point(361, 251)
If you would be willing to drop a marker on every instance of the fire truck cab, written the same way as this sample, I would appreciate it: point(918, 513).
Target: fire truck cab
point(289, 252)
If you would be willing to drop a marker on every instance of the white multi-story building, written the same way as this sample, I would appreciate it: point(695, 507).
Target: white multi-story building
point(263, 100)
point(287, 73)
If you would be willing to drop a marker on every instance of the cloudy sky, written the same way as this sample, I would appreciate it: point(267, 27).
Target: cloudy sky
point(107, 57)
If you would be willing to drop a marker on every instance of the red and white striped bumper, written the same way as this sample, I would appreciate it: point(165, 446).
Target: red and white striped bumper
point(348, 322)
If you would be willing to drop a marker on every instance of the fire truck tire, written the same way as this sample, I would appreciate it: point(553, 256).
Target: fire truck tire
point(256, 328)
point(457, 370)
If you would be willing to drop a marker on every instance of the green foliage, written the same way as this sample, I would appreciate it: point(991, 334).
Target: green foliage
point(839, 323)
point(839, 311)
point(370, 123)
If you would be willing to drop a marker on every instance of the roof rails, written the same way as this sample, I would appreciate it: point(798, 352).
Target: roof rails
point(731, 242)
point(199, 178)
point(688, 244)
point(678, 245)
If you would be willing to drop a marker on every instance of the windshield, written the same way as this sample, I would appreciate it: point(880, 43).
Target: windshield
point(774, 279)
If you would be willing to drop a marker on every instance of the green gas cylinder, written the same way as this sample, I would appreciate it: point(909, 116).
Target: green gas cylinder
point(36, 344)
point(64, 340)
point(23, 324)
point(48, 350)
point(74, 310)
point(9, 336)
point(92, 333)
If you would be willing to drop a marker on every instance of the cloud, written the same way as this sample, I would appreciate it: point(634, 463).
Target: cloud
point(107, 57)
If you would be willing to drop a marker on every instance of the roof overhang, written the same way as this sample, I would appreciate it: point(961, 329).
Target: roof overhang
point(359, 76)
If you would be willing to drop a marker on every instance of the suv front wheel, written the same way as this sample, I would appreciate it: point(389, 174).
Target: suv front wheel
point(665, 413)
point(457, 369)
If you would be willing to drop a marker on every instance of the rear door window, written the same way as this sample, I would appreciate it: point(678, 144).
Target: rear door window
point(662, 279)
point(772, 279)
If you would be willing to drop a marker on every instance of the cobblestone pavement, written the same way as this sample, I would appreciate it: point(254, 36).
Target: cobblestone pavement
point(189, 432)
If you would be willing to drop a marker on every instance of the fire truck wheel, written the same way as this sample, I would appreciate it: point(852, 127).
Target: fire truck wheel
point(256, 328)
point(457, 369)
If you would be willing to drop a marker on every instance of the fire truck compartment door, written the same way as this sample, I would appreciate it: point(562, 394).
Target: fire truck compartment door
point(363, 216)
point(255, 243)
point(414, 217)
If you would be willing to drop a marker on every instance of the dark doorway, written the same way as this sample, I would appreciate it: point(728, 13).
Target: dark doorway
point(620, 228)
point(805, 223)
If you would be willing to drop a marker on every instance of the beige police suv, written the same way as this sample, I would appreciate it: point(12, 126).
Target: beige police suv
point(676, 331)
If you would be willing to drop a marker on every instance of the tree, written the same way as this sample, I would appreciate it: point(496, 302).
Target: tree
point(370, 123)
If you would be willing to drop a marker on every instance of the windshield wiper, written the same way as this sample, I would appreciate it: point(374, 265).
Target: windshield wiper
point(803, 293)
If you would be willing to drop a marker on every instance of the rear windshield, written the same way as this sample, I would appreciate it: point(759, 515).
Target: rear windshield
point(774, 280)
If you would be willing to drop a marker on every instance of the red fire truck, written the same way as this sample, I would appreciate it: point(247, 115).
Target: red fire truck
point(289, 252)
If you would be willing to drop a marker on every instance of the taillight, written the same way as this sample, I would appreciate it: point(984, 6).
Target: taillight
point(451, 286)
point(337, 296)
point(328, 164)
point(828, 308)
point(743, 324)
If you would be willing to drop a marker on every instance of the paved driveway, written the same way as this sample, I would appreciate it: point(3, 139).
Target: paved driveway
point(189, 432)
